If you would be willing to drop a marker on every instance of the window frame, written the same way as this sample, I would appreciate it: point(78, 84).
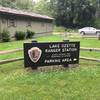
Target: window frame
point(12, 22)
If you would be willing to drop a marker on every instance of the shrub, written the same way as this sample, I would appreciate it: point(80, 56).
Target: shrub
point(5, 36)
point(64, 29)
point(59, 29)
point(30, 34)
point(19, 35)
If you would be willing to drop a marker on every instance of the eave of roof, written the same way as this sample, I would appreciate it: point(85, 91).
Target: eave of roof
point(23, 13)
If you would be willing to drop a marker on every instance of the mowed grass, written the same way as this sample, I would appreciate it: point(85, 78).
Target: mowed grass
point(19, 44)
point(80, 83)
point(52, 38)
point(91, 43)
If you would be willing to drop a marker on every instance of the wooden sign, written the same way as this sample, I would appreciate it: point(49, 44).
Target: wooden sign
point(51, 53)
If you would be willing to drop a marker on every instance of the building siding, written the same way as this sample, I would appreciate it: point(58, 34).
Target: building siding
point(37, 25)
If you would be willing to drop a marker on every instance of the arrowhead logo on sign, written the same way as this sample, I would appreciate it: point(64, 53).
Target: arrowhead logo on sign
point(34, 54)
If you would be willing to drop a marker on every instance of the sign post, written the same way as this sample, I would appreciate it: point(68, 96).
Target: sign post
point(51, 53)
point(66, 65)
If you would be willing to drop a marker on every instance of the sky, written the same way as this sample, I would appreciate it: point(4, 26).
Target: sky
point(36, 0)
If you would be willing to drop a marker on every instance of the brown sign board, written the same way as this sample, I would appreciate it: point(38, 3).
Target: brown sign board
point(51, 53)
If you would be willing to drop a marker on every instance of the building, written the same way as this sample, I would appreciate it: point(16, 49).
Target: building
point(16, 20)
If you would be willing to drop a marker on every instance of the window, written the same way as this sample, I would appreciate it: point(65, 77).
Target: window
point(28, 24)
point(11, 22)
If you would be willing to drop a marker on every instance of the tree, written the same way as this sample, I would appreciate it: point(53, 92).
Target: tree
point(42, 7)
point(68, 13)
point(7, 3)
point(18, 4)
point(24, 4)
point(71, 13)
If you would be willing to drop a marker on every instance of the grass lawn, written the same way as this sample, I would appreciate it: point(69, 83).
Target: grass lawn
point(53, 38)
point(94, 43)
point(80, 83)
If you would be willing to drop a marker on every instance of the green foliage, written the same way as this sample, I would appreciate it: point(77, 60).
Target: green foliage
point(30, 34)
point(64, 29)
point(18, 4)
point(24, 4)
point(97, 23)
point(5, 36)
point(71, 30)
point(59, 29)
point(19, 35)
point(43, 7)
point(67, 13)
point(77, 13)
point(89, 43)
point(6, 3)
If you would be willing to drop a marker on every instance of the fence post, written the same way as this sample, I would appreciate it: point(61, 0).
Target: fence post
point(98, 36)
point(66, 65)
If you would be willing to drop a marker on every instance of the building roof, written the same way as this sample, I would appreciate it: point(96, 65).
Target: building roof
point(23, 13)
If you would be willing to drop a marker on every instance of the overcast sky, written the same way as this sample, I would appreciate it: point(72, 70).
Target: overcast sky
point(36, 0)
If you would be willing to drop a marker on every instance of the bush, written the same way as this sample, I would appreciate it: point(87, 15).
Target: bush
point(30, 34)
point(64, 29)
point(59, 29)
point(71, 30)
point(19, 35)
point(5, 36)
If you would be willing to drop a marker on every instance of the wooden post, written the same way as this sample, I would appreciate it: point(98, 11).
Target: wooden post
point(66, 65)
point(98, 36)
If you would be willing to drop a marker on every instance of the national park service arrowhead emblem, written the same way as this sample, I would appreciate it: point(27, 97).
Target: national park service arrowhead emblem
point(34, 54)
